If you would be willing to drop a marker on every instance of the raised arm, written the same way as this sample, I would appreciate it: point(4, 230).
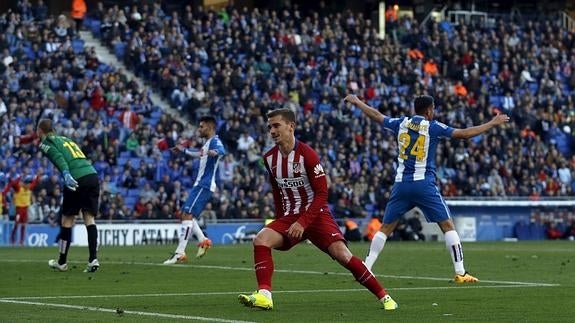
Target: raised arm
point(372, 113)
point(477, 130)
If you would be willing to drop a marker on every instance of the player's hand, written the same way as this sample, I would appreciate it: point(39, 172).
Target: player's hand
point(295, 231)
point(353, 99)
point(70, 182)
point(212, 153)
point(178, 148)
point(500, 119)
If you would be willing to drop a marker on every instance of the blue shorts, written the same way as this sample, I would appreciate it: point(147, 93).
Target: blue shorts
point(199, 197)
point(423, 194)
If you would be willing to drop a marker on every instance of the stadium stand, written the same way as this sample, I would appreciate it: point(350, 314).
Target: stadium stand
point(238, 63)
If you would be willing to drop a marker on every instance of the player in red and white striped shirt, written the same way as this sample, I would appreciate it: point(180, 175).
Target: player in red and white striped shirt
point(300, 195)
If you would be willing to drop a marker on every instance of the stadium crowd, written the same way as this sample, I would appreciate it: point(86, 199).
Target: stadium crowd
point(237, 64)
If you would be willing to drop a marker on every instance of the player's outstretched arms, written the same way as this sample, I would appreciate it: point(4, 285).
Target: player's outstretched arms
point(372, 113)
point(477, 130)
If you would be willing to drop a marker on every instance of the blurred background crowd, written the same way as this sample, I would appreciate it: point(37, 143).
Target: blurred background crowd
point(238, 63)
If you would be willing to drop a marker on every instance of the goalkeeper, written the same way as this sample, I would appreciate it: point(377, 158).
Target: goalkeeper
point(81, 192)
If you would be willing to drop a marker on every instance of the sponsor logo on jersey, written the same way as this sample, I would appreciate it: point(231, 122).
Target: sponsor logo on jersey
point(290, 182)
point(296, 168)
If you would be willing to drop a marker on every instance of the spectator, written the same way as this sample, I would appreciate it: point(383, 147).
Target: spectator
point(22, 187)
point(552, 231)
point(371, 228)
point(351, 232)
point(79, 10)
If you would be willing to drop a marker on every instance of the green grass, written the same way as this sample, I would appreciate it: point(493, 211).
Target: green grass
point(520, 282)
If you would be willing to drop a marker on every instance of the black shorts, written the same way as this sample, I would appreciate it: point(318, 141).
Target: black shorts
point(85, 198)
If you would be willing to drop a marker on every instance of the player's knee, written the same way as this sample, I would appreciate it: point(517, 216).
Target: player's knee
point(268, 238)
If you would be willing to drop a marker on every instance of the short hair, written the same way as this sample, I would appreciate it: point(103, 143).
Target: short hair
point(209, 119)
point(46, 125)
point(422, 103)
point(287, 114)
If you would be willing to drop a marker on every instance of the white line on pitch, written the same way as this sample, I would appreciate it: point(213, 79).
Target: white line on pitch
point(109, 310)
point(275, 292)
point(302, 272)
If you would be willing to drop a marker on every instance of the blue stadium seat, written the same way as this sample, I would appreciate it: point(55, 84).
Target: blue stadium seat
point(156, 114)
point(370, 209)
point(495, 100)
point(122, 160)
point(78, 45)
point(120, 50)
point(95, 27)
point(150, 160)
point(133, 192)
point(130, 201)
point(135, 162)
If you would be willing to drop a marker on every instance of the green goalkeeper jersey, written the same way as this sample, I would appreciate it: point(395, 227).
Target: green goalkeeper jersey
point(67, 156)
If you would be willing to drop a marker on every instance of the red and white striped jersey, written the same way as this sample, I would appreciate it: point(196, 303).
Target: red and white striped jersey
point(298, 181)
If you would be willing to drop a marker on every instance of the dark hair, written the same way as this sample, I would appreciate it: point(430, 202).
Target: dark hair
point(209, 119)
point(46, 125)
point(422, 103)
point(287, 114)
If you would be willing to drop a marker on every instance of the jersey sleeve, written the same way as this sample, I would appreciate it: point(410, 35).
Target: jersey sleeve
point(318, 182)
point(217, 145)
point(440, 130)
point(392, 124)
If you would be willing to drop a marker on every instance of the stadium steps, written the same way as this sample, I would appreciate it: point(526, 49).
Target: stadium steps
point(107, 57)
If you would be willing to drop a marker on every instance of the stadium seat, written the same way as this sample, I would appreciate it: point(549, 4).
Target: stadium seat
point(156, 114)
point(403, 90)
point(135, 162)
point(130, 201)
point(77, 45)
point(370, 209)
point(125, 154)
point(120, 50)
point(96, 28)
point(123, 160)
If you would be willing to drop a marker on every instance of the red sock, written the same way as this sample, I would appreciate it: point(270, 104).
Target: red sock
point(264, 267)
point(365, 277)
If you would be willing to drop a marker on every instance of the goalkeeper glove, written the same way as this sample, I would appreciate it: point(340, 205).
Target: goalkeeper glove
point(69, 181)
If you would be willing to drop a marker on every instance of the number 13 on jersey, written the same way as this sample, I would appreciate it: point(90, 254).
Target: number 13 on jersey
point(74, 149)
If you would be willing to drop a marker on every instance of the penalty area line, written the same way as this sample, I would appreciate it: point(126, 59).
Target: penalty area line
point(124, 312)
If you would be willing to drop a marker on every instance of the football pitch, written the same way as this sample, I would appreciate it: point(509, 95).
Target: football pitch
point(519, 282)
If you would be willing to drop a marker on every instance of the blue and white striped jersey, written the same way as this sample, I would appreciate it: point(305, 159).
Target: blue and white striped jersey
point(209, 165)
point(417, 140)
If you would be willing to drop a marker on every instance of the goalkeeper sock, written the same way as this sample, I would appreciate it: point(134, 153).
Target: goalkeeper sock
point(92, 241)
point(64, 244)
point(453, 245)
point(185, 233)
